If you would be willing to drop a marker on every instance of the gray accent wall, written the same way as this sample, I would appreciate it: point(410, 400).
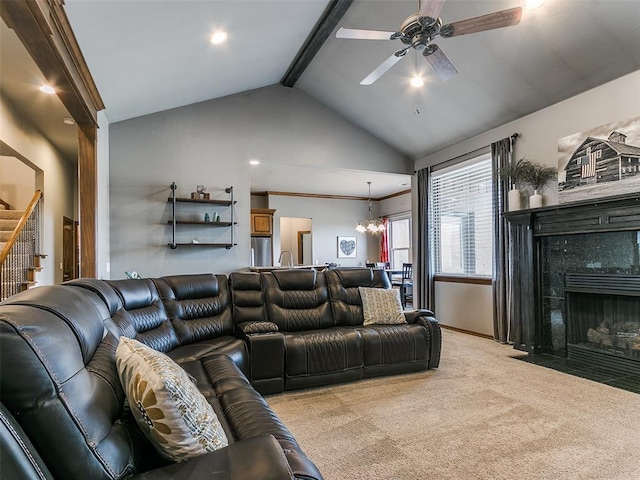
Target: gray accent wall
point(210, 143)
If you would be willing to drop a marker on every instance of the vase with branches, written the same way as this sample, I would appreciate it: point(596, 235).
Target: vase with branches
point(537, 176)
point(514, 174)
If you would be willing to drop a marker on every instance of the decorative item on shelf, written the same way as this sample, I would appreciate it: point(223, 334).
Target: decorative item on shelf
point(370, 225)
point(207, 218)
point(200, 193)
point(513, 173)
point(537, 176)
point(216, 217)
point(195, 241)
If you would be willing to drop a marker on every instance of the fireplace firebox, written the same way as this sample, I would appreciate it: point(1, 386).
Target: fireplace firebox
point(603, 320)
point(575, 282)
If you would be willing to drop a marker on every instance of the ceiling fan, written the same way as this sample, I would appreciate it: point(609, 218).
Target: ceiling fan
point(418, 31)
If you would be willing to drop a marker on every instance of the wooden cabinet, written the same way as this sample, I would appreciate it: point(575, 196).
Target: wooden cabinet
point(211, 222)
point(262, 222)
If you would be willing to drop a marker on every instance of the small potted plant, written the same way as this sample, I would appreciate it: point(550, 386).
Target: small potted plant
point(514, 174)
point(537, 176)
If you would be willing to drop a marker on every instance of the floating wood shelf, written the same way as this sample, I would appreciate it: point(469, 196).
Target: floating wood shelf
point(224, 203)
point(200, 222)
point(202, 244)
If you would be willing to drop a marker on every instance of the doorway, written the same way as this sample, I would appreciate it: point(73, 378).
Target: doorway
point(295, 237)
point(70, 264)
point(304, 247)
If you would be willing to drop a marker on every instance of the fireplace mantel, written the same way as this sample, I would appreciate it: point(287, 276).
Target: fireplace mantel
point(528, 230)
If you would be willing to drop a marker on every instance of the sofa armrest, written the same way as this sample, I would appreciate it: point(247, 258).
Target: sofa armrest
point(429, 322)
point(258, 457)
point(266, 355)
point(411, 315)
point(248, 328)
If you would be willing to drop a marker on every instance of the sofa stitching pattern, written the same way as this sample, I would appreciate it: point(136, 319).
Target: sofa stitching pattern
point(23, 447)
point(61, 394)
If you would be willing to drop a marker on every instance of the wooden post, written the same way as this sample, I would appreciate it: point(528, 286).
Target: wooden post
point(88, 197)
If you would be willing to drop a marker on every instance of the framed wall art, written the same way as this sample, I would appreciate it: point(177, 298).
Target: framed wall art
point(347, 247)
point(600, 162)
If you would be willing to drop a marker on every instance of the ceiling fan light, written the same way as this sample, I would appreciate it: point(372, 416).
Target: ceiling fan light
point(531, 4)
point(218, 37)
point(417, 82)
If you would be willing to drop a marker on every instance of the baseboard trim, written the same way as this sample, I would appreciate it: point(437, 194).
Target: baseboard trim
point(468, 332)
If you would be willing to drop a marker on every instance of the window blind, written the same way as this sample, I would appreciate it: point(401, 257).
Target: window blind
point(462, 218)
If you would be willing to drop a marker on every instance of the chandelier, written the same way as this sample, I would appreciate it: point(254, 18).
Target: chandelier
point(370, 225)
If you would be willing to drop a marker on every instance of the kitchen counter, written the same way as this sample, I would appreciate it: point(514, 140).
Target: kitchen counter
point(287, 267)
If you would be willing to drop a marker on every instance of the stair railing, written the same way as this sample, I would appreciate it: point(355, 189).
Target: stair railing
point(19, 254)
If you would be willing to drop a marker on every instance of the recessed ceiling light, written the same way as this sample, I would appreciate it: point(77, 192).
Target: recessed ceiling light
point(218, 37)
point(68, 121)
point(531, 4)
point(254, 162)
point(47, 89)
point(417, 82)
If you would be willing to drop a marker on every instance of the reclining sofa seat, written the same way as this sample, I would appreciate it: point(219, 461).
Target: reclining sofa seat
point(82, 411)
point(67, 397)
point(265, 343)
point(387, 349)
point(317, 318)
point(316, 352)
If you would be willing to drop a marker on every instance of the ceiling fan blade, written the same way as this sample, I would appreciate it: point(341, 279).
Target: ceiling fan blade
point(383, 67)
point(356, 34)
point(440, 62)
point(431, 8)
point(503, 18)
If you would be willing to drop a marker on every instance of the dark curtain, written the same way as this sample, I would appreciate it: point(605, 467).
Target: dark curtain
point(501, 153)
point(422, 274)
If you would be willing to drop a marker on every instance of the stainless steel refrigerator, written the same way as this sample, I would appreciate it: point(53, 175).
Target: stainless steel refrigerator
point(261, 252)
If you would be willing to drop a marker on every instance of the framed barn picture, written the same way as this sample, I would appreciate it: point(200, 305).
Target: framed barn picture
point(600, 162)
point(347, 247)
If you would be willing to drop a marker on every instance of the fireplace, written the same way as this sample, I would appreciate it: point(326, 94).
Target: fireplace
point(603, 320)
point(575, 282)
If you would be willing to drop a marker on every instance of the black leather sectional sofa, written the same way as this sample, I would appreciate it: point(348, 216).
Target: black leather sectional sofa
point(64, 414)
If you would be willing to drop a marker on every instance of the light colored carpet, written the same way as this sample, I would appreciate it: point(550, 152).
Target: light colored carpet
point(481, 415)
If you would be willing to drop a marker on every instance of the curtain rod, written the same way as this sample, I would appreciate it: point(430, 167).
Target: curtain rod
point(466, 156)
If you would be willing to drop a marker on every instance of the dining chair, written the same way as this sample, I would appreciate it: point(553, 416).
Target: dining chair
point(406, 286)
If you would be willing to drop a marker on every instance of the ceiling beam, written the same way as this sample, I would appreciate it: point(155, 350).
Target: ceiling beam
point(329, 20)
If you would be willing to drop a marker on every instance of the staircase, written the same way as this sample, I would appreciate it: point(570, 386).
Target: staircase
point(19, 248)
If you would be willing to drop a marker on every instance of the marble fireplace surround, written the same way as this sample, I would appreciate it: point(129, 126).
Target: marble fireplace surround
point(584, 255)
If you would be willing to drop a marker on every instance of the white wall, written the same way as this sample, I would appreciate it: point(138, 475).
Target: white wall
point(394, 205)
point(17, 182)
point(540, 131)
point(210, 143)
point(102, 214)
point(331, 218)
point(58, 182)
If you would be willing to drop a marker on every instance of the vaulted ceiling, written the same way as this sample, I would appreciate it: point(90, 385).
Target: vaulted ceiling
point(148, 56)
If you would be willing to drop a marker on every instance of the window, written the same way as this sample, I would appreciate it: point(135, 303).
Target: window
point(462, 219)
point(399, 241)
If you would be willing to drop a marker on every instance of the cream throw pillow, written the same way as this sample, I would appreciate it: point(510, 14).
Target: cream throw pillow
point(381, 306)
point(168, 407)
